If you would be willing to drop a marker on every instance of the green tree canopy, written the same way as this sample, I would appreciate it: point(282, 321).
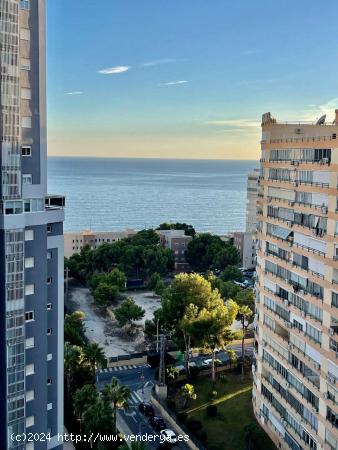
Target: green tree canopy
point(232, 273)
point(209, 252)
point(83, 398)
point(128, 312)
point(105, 294)
point(74, 328)
point(95, 356)
point(189, 230)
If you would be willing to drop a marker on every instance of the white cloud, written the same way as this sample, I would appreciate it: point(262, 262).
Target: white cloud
point(113, 70)
point(235, 123)
point(158, 62)
point(315, 111)
point(74, 93)
point(173, 83)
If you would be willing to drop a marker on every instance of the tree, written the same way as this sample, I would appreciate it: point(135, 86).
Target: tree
point(95, 356)
point(105, 294)
point(128, 312)
point(74, 328)
point(116, 396)
point(181, 303)
point(232, 273)
point(189, 230)
point(188, 393)
point(73, 356)
point(83, 398)
point(117, 278)
point(212, 327)
point(153, 280)
point(98, 418)
point(209, 252)
point(172, 372)
point(244, 313)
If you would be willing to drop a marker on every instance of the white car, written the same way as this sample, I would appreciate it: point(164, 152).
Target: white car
point(169, 436)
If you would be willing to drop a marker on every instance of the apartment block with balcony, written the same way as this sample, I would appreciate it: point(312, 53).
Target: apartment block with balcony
point(31, 240)
point(295, 394)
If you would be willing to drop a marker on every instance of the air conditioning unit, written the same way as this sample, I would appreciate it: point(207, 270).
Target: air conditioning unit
point(286, 302)
point(331, 331)
point(289, 223)
point(296, 163)
point(291, 203)
point(303, 314)
point(325, 160)
point(324, 209)
point(295, 183)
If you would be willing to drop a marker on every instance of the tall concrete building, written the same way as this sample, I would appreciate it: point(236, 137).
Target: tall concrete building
point(295, 394)
point(31, 239)
point(251, 201)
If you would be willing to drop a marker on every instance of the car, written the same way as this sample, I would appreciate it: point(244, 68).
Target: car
point(169, 436)
point(157, 423)
point(146, 408)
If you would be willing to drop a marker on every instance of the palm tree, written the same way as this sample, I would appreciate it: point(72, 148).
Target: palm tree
point(117, 396)
point(97, 418)
point(72, 360)
point(82, 399)
point(244, 313)
point(95, 356)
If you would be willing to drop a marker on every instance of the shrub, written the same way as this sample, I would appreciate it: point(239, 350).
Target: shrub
point(194, 425)
point(211, 410)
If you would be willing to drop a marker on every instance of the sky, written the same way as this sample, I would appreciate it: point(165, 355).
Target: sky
point(184, 78)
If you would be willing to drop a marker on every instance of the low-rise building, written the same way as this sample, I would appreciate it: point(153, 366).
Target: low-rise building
point(76, 240)
point(178, 242)
point(245, 244)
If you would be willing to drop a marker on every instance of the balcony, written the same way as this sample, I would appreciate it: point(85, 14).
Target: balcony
point(54, 202)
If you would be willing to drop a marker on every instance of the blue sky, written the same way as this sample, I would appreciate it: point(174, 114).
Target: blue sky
point(188, 78)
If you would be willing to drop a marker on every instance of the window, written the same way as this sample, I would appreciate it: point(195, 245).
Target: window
point(25, 34)
point(30, 369)
point(29, 395)
point(26, 93)
point(26, 150)
point(49, 254)
point(29, 421)
point(29, 446)
point(25, 4)
point(49, 280)
point(26, 122)
point(49, 228)
point(29, 235)
point(25, 64)
point(30, 342)
point(29, 289)
point(29, 316)
point(49, 331)
point(49, 356)
point(27, 178)
point(49, 381)
point(49, 406)
point(29, 262)
point(49, 306)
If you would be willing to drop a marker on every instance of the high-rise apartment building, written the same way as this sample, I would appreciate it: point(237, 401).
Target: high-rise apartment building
point(295, 392)
point(31, 239)
point(251, 201)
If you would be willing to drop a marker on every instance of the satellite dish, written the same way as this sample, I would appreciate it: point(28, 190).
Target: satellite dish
point(321, 120)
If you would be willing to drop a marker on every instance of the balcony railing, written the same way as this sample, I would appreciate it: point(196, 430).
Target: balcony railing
point(55, 202)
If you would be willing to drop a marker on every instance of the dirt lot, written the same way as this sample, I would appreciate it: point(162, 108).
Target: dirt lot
point(102, 330)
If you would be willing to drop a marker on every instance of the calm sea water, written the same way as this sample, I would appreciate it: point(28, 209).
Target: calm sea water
point(113, 194)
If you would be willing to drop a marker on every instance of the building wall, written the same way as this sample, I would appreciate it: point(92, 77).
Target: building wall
point(29, 279)
point(296, 368)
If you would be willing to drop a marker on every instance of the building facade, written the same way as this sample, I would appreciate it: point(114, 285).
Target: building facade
point(295, 394)
point(251, 201)
point(31, 239)
point(245, 243)
point(74, 241)
point(177, 241)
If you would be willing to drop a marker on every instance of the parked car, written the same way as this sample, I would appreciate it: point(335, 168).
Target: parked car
point(207, 362)
point(146, 408)
point(157, 423)
point(169, 435)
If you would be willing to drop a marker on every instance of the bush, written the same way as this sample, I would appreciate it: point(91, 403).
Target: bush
point(194, 425)
point(211, 410)
point(214, 394)
point(182, 417)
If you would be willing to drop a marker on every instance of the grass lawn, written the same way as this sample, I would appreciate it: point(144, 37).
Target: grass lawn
point(226, 431)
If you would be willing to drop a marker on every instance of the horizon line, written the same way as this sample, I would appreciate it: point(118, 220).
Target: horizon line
point(149, 157)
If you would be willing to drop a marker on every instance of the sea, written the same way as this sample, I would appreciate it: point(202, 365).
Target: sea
point(105, 194)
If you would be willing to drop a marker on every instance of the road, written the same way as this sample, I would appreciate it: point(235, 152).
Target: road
point(140, 380)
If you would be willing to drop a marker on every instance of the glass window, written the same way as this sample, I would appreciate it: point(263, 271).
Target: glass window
point(25, 4)
point(27, 178)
